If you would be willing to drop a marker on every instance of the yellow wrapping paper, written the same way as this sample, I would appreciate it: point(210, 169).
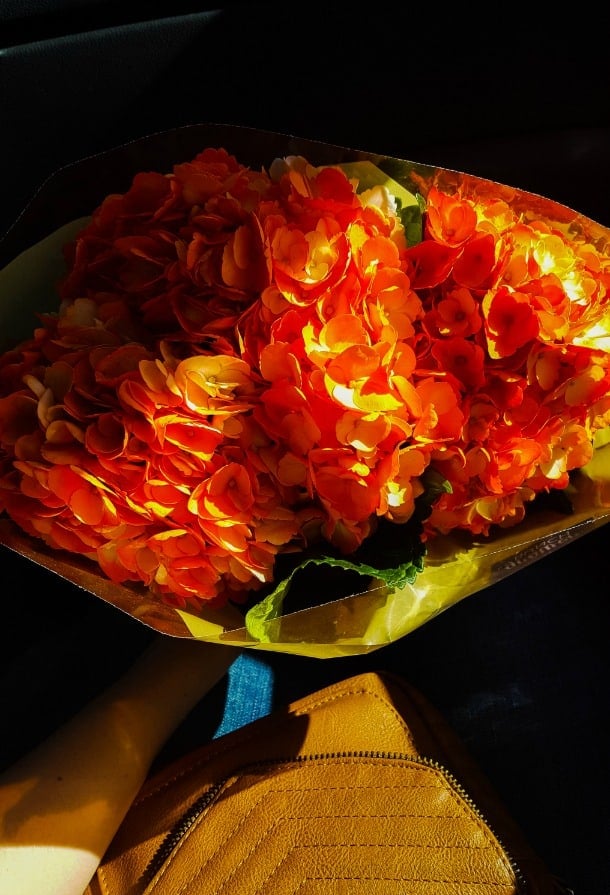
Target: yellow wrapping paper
point(456, 565)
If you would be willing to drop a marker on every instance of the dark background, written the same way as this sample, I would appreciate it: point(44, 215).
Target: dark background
point(520, 95)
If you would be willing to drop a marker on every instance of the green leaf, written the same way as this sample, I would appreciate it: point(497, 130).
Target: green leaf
point(370, 175)
point(411, 219)
point(434, 485)
point(259, 619)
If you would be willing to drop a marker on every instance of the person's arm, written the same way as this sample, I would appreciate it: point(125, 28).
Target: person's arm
point(61, 804)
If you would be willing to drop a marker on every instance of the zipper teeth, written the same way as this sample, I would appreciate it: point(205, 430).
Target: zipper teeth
point(187, 820)
point(179, 830)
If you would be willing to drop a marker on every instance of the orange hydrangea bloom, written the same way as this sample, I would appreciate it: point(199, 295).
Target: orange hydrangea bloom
point(248, 362)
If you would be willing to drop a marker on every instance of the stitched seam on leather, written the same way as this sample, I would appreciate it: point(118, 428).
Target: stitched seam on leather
point(103, 881)
point(377, 846)
point(400, 879)
point(249, 735)
point(464, 812)
point(232, 783)
point(461, 805)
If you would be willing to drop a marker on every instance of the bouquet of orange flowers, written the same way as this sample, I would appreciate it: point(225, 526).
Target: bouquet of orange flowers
point(255, 375)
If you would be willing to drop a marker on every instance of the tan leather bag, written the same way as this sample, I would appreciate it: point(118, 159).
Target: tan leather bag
point(358, 789)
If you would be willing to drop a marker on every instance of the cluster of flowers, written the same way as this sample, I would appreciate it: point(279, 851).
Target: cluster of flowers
point(249, 362)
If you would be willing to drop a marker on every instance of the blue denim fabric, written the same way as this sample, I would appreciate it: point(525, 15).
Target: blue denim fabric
point(250, 693)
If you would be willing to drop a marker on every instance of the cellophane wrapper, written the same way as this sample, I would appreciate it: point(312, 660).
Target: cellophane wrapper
point(456, 565)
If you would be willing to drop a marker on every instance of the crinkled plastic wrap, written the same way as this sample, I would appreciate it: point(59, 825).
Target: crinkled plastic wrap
point(456, 565)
